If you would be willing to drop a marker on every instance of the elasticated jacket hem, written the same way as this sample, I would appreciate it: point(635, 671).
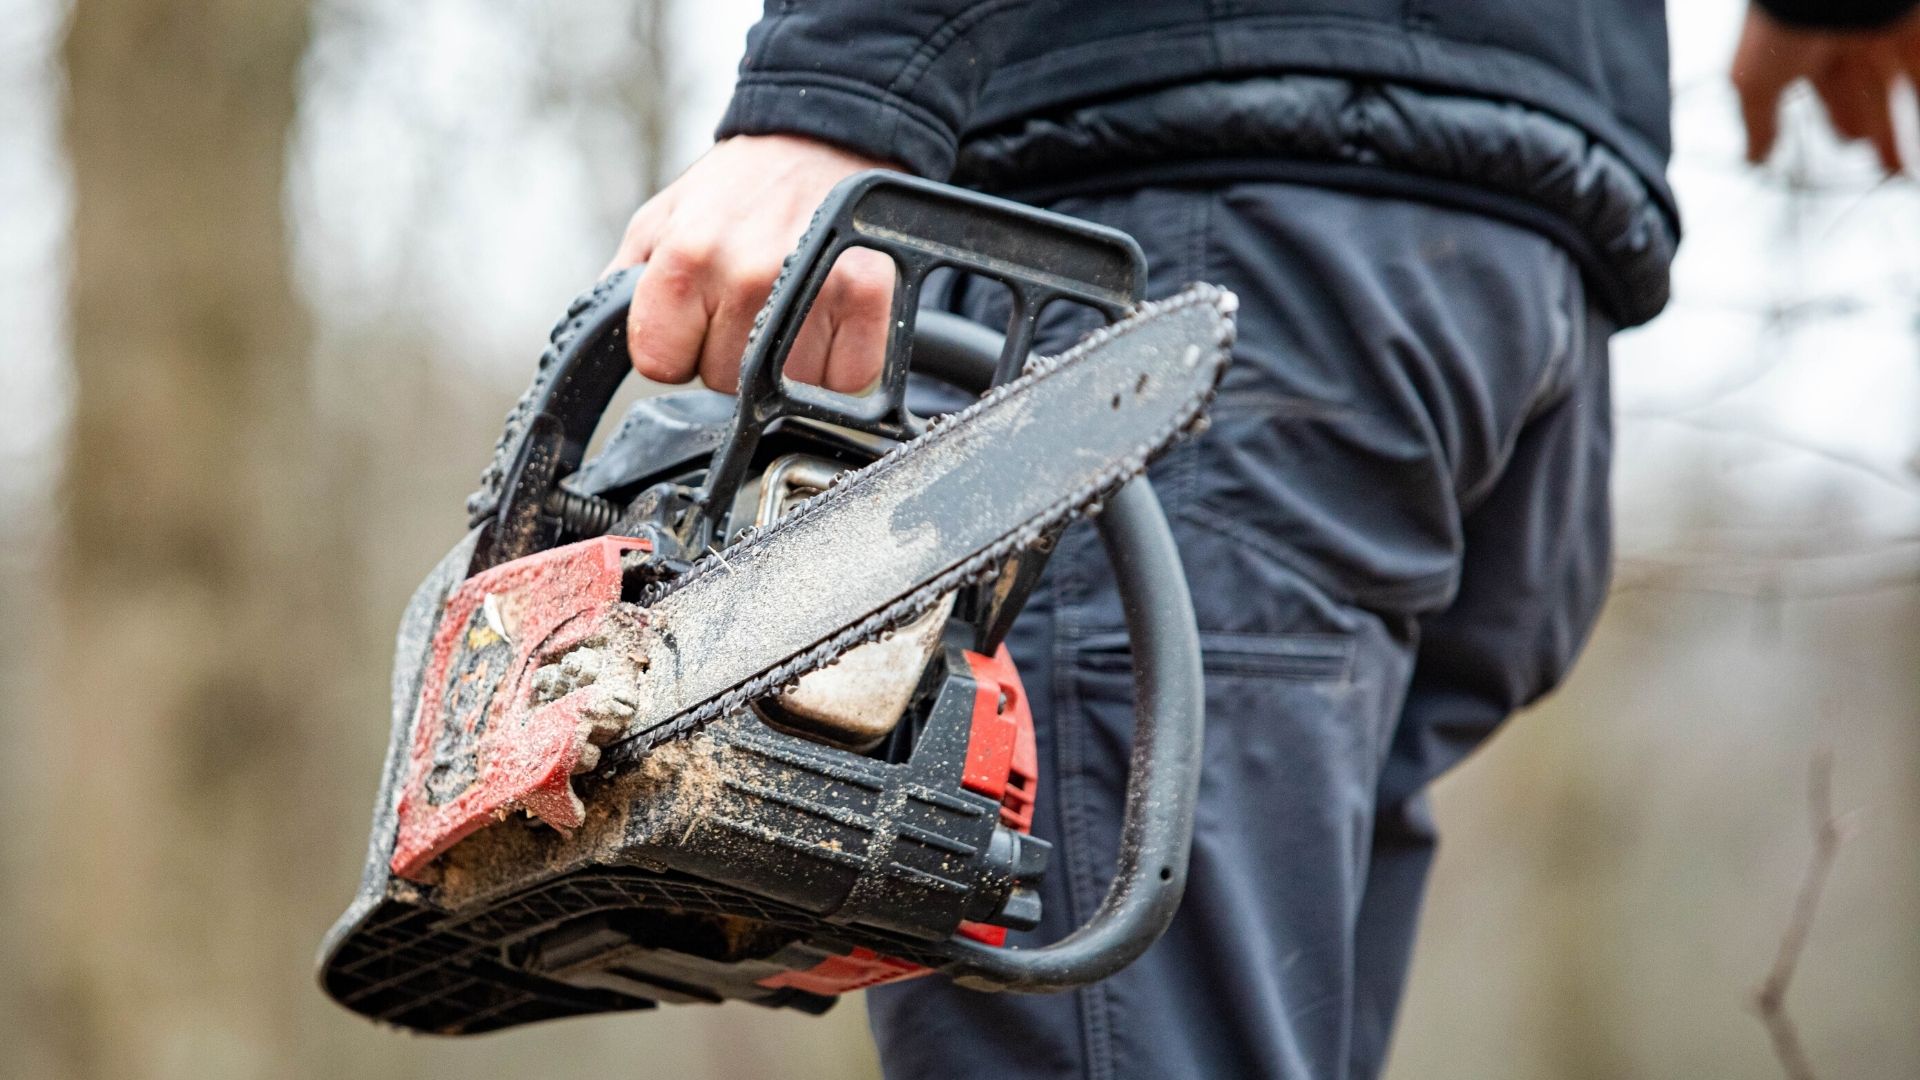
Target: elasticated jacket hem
point(1501, 159)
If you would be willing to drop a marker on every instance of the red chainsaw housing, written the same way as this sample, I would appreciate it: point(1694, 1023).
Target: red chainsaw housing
point(481, 748)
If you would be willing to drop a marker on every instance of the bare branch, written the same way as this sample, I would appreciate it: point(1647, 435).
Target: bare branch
point(1770, 998)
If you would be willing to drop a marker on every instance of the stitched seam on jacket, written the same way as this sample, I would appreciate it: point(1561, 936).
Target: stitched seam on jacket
point(1613, 224)
point(941, 38)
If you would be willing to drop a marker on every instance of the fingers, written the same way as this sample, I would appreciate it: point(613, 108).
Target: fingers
point(1854, 73)
point(1857, 96)
point(694, 307)
point(863, 306)
point(807, 360)
point(712, 244)
point(1879, 119)
point(1839, 95)
point(1768, 60)
point(667, 322)
point(743, 283)
point(1760, 115)
point(843, 342)
point(1906, 51)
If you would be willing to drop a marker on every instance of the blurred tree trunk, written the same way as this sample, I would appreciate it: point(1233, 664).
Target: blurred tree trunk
point(184, 611)
point(246, 502)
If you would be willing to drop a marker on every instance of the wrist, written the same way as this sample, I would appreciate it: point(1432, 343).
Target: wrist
point(873, 126)
point(788, 143)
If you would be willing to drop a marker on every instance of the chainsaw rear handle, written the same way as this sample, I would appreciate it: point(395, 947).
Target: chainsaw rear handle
point(1169, 707)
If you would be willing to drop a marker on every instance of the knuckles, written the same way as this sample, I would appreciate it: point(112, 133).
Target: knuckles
point(674, 276)
point(689, 258)
point(697, 274)
point(750, 277)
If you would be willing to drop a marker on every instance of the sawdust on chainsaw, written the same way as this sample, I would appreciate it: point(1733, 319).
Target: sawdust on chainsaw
point(656, 800)
point(687, 778)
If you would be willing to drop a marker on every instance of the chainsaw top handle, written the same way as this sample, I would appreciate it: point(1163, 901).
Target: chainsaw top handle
point(922, 226)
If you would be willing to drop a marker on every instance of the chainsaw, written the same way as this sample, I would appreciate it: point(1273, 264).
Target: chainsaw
point(724, 712)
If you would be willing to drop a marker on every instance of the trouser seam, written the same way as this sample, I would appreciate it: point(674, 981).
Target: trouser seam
point(1069, 774)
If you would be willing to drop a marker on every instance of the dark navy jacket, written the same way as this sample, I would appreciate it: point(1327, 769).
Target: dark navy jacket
point(1551, 114)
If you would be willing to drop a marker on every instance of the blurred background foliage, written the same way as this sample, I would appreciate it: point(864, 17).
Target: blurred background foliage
point(270, 272)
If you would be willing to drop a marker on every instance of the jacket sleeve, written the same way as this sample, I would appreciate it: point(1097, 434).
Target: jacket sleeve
point(890, 79)
point(1836, 14)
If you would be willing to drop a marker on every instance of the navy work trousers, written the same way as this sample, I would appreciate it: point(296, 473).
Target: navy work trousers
point(1396, 533)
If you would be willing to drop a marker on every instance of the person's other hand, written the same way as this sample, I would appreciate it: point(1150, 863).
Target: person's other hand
point(1855, 72)
point(713, 241)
